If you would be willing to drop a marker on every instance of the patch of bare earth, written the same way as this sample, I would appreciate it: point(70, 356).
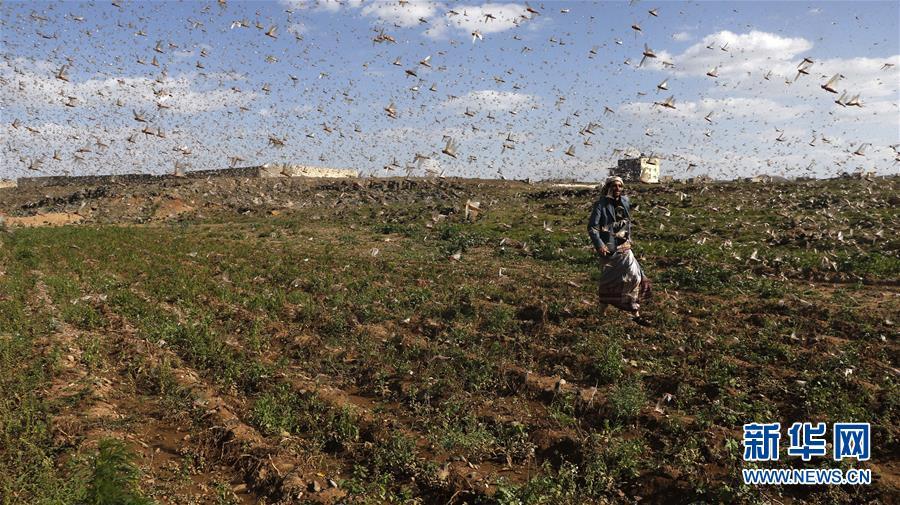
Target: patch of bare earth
point(43, 219)
point(188, 453)
point(169, 208)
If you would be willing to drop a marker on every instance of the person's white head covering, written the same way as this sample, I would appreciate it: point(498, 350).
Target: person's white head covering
point(607, 186)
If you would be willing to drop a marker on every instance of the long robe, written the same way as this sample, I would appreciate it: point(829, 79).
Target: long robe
point(622, 281)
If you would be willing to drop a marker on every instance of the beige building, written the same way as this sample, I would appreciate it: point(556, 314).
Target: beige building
point(288, 170)
point(643, 169)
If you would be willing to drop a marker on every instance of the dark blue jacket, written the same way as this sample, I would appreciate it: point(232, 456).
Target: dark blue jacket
point(601, 222)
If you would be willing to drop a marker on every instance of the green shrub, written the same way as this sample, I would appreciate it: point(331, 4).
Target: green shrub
point(627, 399)
point(607, 365)
point(114, 477)
point(609, 461)
point(701, 278)
point(500, 319)
point(285, 410)
point(396, 455)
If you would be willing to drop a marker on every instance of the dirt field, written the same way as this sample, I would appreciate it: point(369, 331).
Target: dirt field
point(302, 341)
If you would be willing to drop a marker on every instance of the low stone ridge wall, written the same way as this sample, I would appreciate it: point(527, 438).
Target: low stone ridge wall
point(256, 171)
point(225, 172)
point(288, 170)
point(40, 182)
point(61, 180)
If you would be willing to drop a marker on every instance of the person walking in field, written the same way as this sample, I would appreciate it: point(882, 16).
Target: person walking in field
point(623, 283)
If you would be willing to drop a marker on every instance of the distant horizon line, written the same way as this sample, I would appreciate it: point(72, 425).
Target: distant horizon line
point(195, 174)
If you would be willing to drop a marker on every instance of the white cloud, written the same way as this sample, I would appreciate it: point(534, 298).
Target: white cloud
point(739, 107)
point(475, 17)
point(722, 109)
point(438, 31)
point(748, 52)
point(743, 136)
point(880, 112)
point(32, 85)
point(539, 23)
point(878, 87)
point(329, 5)
point(487, 18)
point(750, 56)
point(149, 153)
point(861, 75)
point(297, 28)
point(404, 15)
point(646, 109)
point(321, 5)
point(682, 36)
point(492, 100)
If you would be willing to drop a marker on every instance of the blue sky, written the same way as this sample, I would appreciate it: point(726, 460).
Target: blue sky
point(321, 86)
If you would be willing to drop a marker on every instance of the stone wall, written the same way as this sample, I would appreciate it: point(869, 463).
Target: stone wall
point(288, 170)
point(59, 180)
point(268, 170)
point(225, 172)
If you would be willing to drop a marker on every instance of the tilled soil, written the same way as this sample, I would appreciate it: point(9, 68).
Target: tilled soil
point(364, 342)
